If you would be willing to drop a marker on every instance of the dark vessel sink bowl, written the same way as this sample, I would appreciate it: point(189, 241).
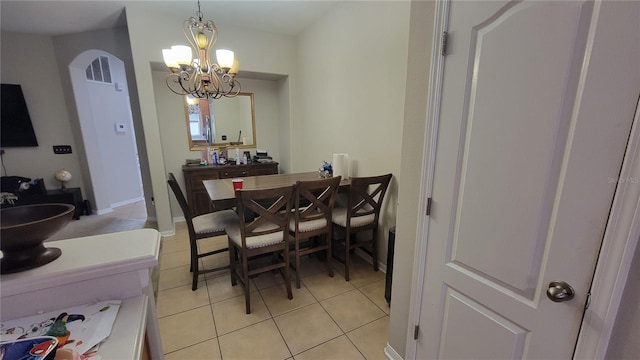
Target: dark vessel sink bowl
point(22, 231)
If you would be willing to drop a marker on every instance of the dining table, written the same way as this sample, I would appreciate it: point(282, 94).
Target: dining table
point(222, 194)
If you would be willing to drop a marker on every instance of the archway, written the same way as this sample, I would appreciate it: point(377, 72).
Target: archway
point(100, 89)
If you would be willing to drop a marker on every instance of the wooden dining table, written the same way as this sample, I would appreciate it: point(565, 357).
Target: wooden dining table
point(222, 194)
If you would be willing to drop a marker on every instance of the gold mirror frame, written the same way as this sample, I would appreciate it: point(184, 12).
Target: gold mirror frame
point(240, 136)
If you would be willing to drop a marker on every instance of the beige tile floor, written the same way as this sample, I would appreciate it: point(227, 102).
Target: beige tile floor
point(328, 318)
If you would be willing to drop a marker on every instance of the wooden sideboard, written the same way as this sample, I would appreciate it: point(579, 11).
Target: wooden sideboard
point(196, 194)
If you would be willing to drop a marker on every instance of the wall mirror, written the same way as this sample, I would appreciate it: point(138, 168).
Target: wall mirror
point(228, 122)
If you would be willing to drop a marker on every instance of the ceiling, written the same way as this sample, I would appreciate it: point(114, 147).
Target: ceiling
point(58, 17)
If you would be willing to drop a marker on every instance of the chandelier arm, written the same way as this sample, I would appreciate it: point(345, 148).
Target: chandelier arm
point(203, 78)
point(174, 78)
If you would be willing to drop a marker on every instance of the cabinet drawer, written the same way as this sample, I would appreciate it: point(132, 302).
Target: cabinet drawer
point(233, 173)
point(267, 170)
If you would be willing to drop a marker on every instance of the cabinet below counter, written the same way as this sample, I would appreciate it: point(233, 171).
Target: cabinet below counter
point(113, 266)
point(196, 194)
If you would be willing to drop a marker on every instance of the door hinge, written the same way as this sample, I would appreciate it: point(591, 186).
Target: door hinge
point(588, 302)
point(445, 40)
point(416, 329)
point(428, 206)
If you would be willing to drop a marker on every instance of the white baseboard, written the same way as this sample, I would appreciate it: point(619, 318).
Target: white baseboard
point(103, 211)
point(391, 353)
point(366, 257)
point(127, 202)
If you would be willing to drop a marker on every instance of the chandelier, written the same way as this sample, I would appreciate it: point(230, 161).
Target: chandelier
point(199, 77)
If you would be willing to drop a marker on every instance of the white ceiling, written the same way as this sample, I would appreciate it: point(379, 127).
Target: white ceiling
point(57, 17)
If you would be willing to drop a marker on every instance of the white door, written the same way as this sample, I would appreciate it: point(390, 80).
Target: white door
point(537, 105)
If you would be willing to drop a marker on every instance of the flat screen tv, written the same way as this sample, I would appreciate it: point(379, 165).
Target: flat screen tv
point(16, 129)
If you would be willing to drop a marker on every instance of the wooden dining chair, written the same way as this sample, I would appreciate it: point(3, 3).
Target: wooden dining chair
point(311, 224)
point(261, 234)
point(201, 227)
point(361, 215)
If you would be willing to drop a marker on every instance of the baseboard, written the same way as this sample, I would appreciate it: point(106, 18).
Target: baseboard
point(366, 257)
point(103, 211)
point(127, 202)
point(391, 353)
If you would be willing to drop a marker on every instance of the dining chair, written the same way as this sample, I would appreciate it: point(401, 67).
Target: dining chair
point(361, 215)
point(310, 227)
point(259, 242)
point(201, 227)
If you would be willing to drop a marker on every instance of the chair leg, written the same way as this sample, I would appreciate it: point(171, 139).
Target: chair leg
point(297, 264)
point(347, 252)
point(232, 263)
point(374, 249)
point(247, 287)
point(286, 273)
point(327, 239)
point(194, 285)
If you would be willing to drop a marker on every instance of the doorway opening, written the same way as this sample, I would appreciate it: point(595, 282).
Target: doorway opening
point(100, 89)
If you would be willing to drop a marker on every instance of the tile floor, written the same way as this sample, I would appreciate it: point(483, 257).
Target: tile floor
point(328, 318)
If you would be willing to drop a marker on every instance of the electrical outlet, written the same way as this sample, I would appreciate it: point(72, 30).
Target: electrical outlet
point(62, 149)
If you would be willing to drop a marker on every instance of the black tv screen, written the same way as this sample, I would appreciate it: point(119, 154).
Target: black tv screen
point(16, 129)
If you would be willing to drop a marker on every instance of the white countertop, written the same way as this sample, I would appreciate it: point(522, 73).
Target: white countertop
point(87, 258)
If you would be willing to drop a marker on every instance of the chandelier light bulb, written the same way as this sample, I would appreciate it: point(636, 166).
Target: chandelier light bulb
point(235, 67)
point(192, 71)
point(169, 59)
point(182, 54)
point(225, 58)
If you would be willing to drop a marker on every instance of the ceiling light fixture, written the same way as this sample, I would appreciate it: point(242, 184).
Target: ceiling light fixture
point(199, 77)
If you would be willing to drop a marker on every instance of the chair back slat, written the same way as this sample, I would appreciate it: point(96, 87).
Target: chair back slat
point(265, 211)
point(315, 199)
point(366, 195)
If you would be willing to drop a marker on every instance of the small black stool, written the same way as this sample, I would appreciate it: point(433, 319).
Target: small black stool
point(389, 275)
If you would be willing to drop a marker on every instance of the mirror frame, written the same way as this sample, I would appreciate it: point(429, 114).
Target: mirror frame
point(202, 145)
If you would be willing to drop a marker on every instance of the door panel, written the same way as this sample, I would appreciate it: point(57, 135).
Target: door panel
point(528, 133)
point(507, 111)
point(472, 329)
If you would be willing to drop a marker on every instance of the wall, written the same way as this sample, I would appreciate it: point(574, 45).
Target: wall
point(413, 142)
point(258, 52)
point(41, 85)
point(350, 94)
point(73, 47)
point(173, 128)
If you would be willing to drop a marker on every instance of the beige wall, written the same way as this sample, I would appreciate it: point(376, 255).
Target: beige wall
point(413, 142)
point(41, 85)
point(350, 93)
point(257, 51)
point(173, 128)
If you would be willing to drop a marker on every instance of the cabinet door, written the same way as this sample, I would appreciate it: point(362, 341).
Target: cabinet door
point(200, 203)
point(197, 197)
point(265, 169)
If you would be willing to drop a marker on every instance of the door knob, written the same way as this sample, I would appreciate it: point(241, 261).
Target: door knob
point(559, 291)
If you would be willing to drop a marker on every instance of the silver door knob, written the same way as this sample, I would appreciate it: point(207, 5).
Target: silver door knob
point(559, 291)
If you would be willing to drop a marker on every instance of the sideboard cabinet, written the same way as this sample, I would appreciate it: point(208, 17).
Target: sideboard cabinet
point(196, 194)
